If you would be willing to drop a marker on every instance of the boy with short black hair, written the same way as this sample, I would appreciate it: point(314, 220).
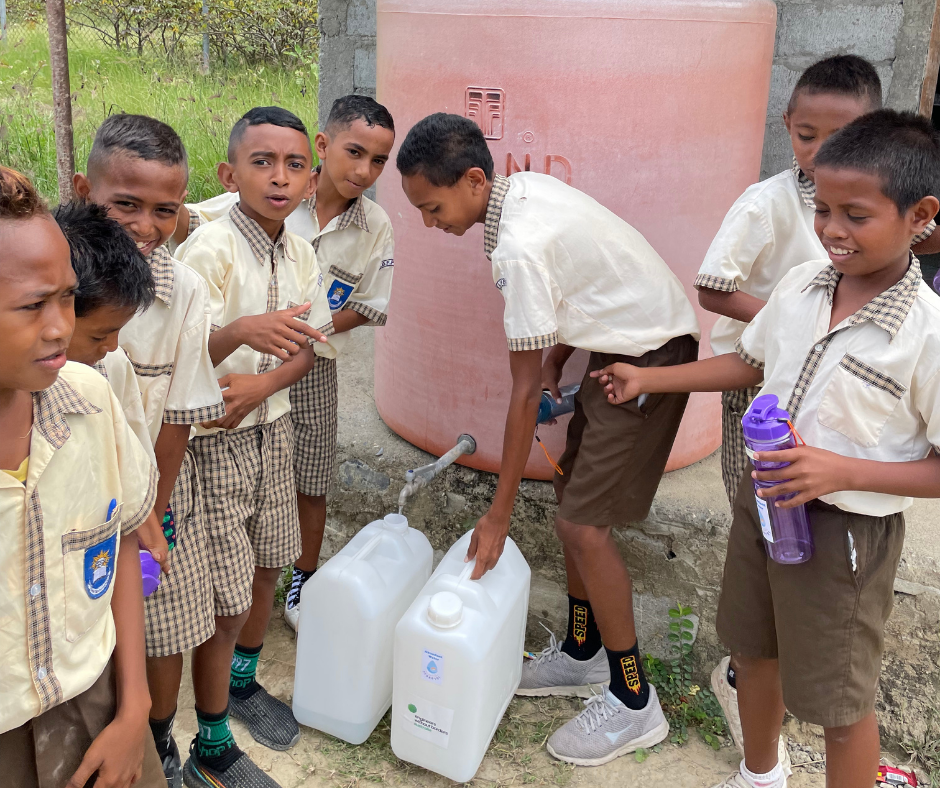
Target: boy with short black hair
point(267, 300)
point(852, 349)
point(767, 232)
point(354, 243)
point(541, 235)
point(74, 684)
point(114, 283)
point(138, 170)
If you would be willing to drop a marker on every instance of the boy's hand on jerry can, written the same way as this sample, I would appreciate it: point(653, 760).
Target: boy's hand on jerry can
point(486, 543)
point(281, 334)
point(621, 382)
point(151, 538)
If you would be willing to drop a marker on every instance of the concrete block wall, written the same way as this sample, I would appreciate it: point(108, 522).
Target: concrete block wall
point(893, 34)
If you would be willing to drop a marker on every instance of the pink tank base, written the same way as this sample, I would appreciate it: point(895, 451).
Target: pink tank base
point(656, 108)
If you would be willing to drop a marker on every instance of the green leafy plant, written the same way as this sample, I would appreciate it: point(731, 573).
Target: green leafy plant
point(685, 703)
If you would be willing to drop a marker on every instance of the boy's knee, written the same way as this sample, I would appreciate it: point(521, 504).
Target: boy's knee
point(230, 626)
point(267, 576)
point(580, 538)
point(748, 667)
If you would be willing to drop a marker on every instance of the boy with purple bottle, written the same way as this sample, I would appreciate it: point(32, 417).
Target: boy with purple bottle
point(852, 346)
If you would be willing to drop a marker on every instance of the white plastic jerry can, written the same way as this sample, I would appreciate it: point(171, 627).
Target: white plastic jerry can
point(348, 612)
point(458, 661)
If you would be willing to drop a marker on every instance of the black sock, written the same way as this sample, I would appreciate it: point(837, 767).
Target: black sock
point(215, 745)
point(242, 683)
point(582, 641)
point(732, 678)
point(297, 580)
point(162, 733)
point(627, 680)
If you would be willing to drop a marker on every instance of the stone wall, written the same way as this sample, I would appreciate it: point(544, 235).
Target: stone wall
point(894, 35)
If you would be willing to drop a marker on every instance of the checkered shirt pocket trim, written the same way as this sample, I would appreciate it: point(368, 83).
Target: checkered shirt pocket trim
point(534, 343)
point(746, 357)
point(718, 283)
point(73, 541)
point(152, 370)
point(494, 211)
point(872, 376)
point(345, 276)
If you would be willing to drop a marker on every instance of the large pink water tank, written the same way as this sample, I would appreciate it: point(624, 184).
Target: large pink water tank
point(656, 108)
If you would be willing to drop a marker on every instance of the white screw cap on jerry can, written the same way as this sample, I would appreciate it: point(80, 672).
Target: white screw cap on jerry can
point(445, 610)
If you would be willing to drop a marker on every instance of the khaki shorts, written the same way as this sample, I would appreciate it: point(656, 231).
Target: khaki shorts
point(313, 410)
point(734, 405)
point(46, 751)
point(824, 619)
point(179, 614)
point(616, 454)
point(247, 480)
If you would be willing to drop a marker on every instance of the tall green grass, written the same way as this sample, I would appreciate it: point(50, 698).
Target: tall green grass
point(202, 108)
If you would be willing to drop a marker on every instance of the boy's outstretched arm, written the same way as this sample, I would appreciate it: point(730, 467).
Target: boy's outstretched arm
point(491, 530)
point(728, 372)
point(118, 751)
point(737, 305)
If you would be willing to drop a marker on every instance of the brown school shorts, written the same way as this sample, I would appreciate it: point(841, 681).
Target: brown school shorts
point(46, 751)
point(824, 619)
point(616, 454)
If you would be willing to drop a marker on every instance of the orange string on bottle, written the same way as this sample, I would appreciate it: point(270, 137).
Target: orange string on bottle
point(547, 455)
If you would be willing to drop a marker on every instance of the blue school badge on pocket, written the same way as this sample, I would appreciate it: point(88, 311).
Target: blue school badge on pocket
point(99, 566)
point(339, 294)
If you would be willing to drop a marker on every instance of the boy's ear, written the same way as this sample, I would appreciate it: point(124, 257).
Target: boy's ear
point(226, 173)
point(312, 184)
point(922, 212)
point(786, 120)
point(81, 185)
point(476, 179)
point(321, 142)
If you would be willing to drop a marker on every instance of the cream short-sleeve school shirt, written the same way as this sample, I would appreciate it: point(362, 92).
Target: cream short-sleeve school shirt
point(61, 536)
point(766, 233)
point(249, 274)
point(870, 387)
point(168, 346)
point(355, 251)
point(117, 369)
point(572, 272)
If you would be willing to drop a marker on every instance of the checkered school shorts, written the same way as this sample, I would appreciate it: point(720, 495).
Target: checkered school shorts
point(313, 406)
point(248, 488)
point(179, 614)
point(734, 405)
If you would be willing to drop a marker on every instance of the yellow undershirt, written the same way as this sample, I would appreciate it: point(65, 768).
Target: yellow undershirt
point(20, 473)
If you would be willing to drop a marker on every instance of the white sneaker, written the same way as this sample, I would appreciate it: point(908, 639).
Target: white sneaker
point(292, 606)
point(727, 697)
point(607, 729)
point(555, 673)
point(736, 780)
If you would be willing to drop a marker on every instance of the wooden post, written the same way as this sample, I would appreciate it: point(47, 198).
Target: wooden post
point(61, 97)
point(932, 66)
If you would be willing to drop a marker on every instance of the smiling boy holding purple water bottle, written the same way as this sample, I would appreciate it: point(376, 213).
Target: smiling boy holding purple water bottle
point(852, 351)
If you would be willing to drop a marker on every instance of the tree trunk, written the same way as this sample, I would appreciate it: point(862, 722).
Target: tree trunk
point(61, 97)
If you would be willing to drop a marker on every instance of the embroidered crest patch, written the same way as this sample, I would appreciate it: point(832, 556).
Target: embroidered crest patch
point(99, 566)
point(339, 294)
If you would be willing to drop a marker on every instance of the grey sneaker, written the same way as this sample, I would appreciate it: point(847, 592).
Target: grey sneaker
point(244, 773)
point(555, 673)
point(607, 729)
point(727, 697)
point(173, 766)
point(269, 720)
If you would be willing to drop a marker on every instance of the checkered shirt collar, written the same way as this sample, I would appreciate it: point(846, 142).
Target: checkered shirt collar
point(805, 185)
point(888, 309)
point(50, 407)
point(494, 212)
point(354, 214)
point(161, 266)
point(259, 241)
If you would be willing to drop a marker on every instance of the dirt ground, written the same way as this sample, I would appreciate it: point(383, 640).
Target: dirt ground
point(516, 756)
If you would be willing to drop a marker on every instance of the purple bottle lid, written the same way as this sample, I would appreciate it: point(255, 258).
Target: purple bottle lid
point(765, 421)
point(150, 572)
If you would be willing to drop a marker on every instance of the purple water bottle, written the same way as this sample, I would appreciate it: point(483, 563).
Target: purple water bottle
point(149, 572)
point(787, 535)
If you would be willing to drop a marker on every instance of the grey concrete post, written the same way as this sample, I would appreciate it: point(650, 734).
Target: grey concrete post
point(347, 50)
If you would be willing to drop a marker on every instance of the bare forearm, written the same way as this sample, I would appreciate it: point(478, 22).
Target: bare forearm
point(559, 355)
point(737, 305)
point(288, 373)
point(127, 607)
point(169, 449)
point(727, 372)
point(917, 479)
point(225, 341)
point(347, 320)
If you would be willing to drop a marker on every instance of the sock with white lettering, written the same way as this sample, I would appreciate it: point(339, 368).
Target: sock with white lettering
point(582, 640)
point(242, 682)
point(215, 745)
point(627, 680)
point(775, 778)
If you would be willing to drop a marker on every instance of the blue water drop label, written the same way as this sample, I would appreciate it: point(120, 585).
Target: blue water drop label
point(432, 667)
